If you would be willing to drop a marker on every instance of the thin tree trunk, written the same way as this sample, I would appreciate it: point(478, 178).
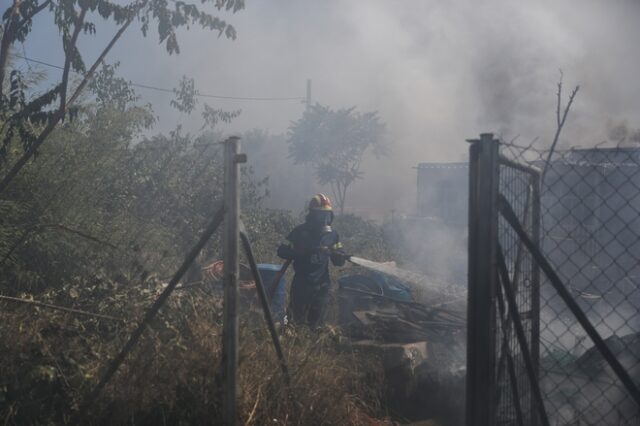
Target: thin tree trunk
point(344, 198)
point(334, 193)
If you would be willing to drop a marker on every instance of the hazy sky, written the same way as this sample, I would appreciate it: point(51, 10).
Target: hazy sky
point(437, 71)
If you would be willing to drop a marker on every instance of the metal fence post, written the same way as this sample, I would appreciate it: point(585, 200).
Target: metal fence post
point(231, 272)
point(482, 279)
point(535, 282)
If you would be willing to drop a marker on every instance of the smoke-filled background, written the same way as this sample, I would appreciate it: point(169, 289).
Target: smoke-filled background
point(437, 72)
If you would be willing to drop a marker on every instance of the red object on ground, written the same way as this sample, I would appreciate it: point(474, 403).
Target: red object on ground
point(215, 271)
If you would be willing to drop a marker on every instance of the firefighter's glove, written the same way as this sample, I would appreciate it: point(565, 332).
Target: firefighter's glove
point(285, 251)
point(338, 256)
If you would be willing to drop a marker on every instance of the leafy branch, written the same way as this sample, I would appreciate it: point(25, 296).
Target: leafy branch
point(33, 121)
point(335, 142)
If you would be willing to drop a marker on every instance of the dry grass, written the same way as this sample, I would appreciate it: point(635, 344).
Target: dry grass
point(51, 359)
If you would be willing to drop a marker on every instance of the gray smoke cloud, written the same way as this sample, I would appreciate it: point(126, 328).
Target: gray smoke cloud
point(438, 73)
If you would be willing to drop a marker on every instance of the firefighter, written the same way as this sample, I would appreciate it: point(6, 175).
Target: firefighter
point(311, 246)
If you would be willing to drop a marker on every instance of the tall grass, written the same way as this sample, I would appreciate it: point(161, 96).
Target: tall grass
point(51, 359)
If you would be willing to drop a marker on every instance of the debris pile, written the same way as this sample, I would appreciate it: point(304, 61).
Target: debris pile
point(381, 307)
point(398, 322)
point(421, 345)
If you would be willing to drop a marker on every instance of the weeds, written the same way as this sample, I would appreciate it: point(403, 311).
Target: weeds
point(51, 359)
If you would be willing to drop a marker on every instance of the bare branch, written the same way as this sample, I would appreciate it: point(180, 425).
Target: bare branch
point(559, 94)
point(335, 191)
point(344, 198)
point(560, 121)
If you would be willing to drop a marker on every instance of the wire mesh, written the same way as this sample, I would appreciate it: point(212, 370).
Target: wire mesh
point(518, 188)
point(112, 192)
point(590, 233)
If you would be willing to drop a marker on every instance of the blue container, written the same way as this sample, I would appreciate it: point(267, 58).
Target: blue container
point(268, 272)
point(377, 283)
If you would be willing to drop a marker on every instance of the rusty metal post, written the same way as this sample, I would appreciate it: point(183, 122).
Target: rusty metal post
point(482, 280)
point(231, 272)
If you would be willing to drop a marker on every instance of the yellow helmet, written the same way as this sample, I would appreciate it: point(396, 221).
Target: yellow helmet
point(320, 202)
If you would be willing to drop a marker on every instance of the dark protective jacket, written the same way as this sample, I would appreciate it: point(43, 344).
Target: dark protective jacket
point(311, 249)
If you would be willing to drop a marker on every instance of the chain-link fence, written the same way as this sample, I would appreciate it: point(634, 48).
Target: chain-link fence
point(590, 235)
point(516, 404)
point(94, 237)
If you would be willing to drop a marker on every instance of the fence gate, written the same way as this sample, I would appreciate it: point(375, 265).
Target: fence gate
point(504, 285)
point(534, 248)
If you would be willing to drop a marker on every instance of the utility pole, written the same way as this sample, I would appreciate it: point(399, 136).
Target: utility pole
point(231, 272)
point(307, 99)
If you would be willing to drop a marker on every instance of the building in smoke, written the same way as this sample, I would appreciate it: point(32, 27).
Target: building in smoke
point(590, 233)
point(443, 192)
point(590, 210)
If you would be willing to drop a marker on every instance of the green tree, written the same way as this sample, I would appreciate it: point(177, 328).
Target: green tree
point(186, 101)
point(100, 202)
point(65, 214)
point(334, 143)
point(105, 200)
point(28, 117)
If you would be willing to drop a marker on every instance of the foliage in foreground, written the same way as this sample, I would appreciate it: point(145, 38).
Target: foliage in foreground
point(52, 359)
point(98, 223)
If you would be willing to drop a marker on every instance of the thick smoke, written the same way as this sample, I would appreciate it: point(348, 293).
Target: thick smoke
point(438, 72)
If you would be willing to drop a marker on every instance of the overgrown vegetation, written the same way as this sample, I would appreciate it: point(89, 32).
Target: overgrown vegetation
point(50, 360)
point(101, 215)
point(32, 116)
point(98, 222)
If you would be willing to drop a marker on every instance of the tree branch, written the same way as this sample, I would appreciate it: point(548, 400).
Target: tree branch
point(42, 226)
point(22, 161)
point(78, 233)
point(9, 36)
point(96, 64)
point(559, 103)
point(344, 198)
point(31, 15)
point(60, 308)
point(69, 48)
point(560, 122)
point(5, 44)
point(334, 191)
